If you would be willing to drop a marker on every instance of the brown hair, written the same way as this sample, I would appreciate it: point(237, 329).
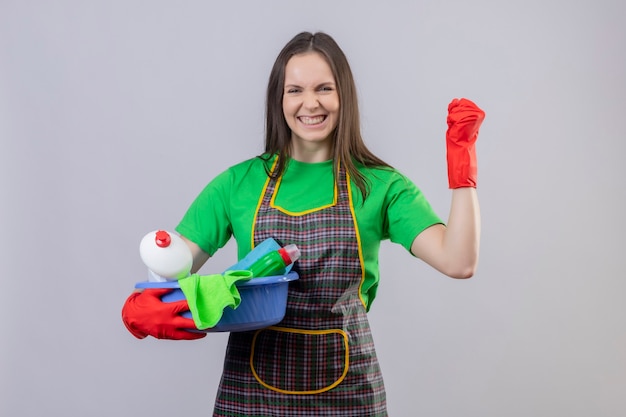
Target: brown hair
point(348, 145)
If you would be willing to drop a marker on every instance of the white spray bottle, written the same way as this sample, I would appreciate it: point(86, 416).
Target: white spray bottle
point(166, 255)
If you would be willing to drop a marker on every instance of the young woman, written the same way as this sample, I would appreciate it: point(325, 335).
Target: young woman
point(318, 186)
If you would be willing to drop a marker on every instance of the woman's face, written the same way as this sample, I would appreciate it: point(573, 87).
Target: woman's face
point(310, 106)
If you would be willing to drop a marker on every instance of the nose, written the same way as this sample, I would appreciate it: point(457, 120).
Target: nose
point(310, 100)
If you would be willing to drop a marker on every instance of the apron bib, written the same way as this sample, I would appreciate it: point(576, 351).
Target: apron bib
point(320, 360)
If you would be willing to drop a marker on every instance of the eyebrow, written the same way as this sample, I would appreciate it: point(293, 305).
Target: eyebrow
point(318, 85)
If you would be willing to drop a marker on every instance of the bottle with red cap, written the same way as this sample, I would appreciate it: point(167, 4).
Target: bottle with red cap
point(275, 262)
point(166, 255)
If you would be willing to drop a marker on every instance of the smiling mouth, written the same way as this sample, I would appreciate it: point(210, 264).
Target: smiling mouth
point(310, 121)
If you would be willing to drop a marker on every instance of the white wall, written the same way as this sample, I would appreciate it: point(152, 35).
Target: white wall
point(114, 114)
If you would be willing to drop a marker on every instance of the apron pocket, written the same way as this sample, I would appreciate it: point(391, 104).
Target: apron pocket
point(296, 361)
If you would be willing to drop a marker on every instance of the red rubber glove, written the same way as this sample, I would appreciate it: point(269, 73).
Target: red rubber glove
point(464, 119)
point(145, 314)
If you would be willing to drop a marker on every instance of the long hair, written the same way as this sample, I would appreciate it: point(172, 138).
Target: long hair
point(348, 145)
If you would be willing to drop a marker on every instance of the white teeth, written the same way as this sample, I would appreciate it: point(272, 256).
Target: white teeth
point(312, 120)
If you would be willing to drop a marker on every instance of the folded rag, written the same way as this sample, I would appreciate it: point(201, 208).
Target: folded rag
point(208, 295)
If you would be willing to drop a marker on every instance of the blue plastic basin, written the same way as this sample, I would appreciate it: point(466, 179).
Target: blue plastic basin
point(263, 303)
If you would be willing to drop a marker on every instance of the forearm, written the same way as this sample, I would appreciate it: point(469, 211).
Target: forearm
point(453, 249)
point(199, 256)
point(461, 240)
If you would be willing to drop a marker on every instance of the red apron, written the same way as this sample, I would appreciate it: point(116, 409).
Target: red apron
point(320, 360)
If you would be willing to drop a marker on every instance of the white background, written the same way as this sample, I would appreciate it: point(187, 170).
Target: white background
point(114, 115)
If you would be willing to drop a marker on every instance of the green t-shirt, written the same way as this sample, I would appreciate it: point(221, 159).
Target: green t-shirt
point(395, 208)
